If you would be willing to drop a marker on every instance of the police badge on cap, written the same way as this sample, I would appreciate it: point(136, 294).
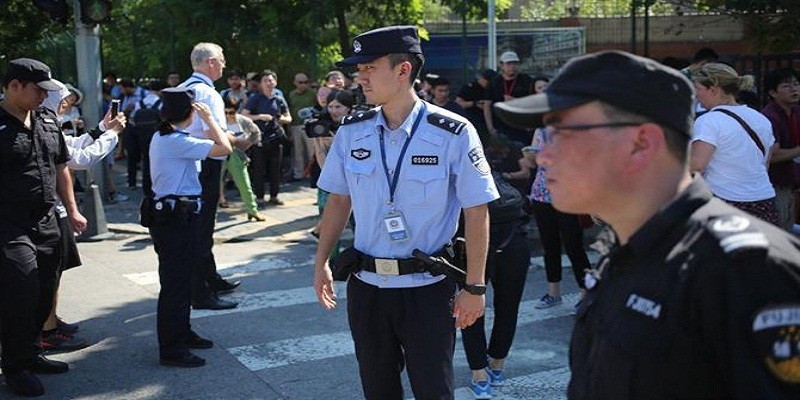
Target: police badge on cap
point(377, 43)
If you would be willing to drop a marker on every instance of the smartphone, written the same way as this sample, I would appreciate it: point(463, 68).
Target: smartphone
point(114, 108)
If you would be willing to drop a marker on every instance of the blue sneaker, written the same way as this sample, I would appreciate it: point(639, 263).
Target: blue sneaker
point(480, 389)
point(496, 376)
point(547, 301)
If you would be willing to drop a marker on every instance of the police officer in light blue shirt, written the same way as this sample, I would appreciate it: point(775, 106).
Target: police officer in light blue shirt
point(407, 169)
point(174, 218)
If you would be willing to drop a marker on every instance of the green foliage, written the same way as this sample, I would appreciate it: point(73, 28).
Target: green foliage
point(149, 38)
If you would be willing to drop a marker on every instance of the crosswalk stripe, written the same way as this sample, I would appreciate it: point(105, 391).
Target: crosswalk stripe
point(320, 347)
point(232, 271)
point(294, 350)
point(270, 299)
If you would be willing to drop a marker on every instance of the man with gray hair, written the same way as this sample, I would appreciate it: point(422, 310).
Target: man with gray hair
point(208, 62)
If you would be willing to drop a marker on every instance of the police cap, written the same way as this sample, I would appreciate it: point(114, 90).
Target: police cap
point(30, 70)
point(176, 103)
point(632, 83)
point(377, 43)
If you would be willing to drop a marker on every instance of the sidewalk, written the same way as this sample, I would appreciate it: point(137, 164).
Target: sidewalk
point(289, 222)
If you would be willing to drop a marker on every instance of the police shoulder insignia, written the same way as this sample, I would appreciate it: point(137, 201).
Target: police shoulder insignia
point(736, 234)
point(451, 125)
point(359, 116)
point(776, 332)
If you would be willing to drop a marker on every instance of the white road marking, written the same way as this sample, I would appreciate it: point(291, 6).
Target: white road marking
point(271, 299)
point(320, 347)
point(229, 271)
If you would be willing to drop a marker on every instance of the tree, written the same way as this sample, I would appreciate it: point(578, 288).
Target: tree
point(772, 23)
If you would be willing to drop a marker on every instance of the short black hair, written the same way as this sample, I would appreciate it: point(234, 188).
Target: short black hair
point(777, 76)
point(264, 73)
point(706, 54)
point(233, 72)
point(7, 81)
point(440, 82)
point(416, 60)
point(345, 97)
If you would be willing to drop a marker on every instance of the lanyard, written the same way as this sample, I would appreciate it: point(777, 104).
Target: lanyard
point(392, 181)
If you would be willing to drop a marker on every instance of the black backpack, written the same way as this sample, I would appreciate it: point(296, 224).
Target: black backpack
point(146, 119)
point(510, 206)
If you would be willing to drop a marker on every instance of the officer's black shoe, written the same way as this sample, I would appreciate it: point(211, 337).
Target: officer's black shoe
point(185, 360)
point(214, 304)
point(196, 342)
point(43, 365)
point(24, 383)
point(222, 286)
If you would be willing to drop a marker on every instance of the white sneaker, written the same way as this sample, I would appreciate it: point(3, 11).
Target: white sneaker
point(119, 197)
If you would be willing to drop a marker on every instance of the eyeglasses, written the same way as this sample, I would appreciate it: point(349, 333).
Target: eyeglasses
point(550, 132)
point(301, 82)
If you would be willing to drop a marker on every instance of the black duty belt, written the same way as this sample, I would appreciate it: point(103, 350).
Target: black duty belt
point(390, 266)
point(184, 204)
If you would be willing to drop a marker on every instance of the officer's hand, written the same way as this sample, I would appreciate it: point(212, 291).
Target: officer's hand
point(323, 285)
point(203, 111)
point(78, 222)
point(468, 308)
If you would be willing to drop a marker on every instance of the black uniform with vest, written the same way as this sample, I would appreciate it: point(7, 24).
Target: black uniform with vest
point(703, 302)
point(29, 233)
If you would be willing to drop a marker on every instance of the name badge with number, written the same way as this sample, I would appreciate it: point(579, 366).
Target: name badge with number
point(395, 226)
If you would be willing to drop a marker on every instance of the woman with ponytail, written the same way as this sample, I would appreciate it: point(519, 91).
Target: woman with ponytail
point(173, 216)
point(732, 143)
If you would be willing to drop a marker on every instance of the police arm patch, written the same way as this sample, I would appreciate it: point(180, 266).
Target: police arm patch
point(478, 160)
point(776, 332)
point(737, 235)
point(451, 125)
point(359, 116)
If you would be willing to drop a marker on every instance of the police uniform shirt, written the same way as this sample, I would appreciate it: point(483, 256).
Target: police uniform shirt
point(28, 162)
point(443, 171)
point(175, 163)
point(703, 302)
point(204, 92)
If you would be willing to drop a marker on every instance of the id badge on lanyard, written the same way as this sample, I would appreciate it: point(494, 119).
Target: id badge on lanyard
point(395, 226)
point(393, 221)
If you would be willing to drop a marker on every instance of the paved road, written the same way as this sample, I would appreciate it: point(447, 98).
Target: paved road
point(279, 343)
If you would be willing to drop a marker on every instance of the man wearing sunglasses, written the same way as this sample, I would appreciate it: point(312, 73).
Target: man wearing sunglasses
point(695, 299)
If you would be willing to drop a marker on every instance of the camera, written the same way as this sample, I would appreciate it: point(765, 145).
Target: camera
point(321, 127)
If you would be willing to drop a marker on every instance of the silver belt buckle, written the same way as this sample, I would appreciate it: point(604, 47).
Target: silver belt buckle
point(386, 266)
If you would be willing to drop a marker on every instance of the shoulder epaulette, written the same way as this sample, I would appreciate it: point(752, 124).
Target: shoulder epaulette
point(451, 125)
point(737, 235)
point(359, 116)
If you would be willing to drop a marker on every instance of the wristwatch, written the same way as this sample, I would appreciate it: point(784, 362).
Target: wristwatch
point(477, 289)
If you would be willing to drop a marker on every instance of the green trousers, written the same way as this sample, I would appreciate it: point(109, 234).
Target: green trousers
point(237, 168)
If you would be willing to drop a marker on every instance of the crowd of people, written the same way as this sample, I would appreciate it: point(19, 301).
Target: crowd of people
point(692, 185)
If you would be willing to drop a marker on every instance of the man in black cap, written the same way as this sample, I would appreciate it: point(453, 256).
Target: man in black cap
point(33, 171)
point(407, 169)
point(473, 96)
point(695, 299)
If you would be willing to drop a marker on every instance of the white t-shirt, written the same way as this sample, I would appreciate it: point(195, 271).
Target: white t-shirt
point(737, 169)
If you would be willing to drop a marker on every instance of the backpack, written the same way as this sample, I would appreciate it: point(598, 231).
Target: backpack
point(510, 206)
point(146, 119)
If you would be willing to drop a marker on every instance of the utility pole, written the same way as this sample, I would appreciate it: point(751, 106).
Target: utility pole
point(492, 56)
point(87, 56)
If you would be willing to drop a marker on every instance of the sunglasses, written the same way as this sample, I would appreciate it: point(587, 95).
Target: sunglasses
point(301, 82)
